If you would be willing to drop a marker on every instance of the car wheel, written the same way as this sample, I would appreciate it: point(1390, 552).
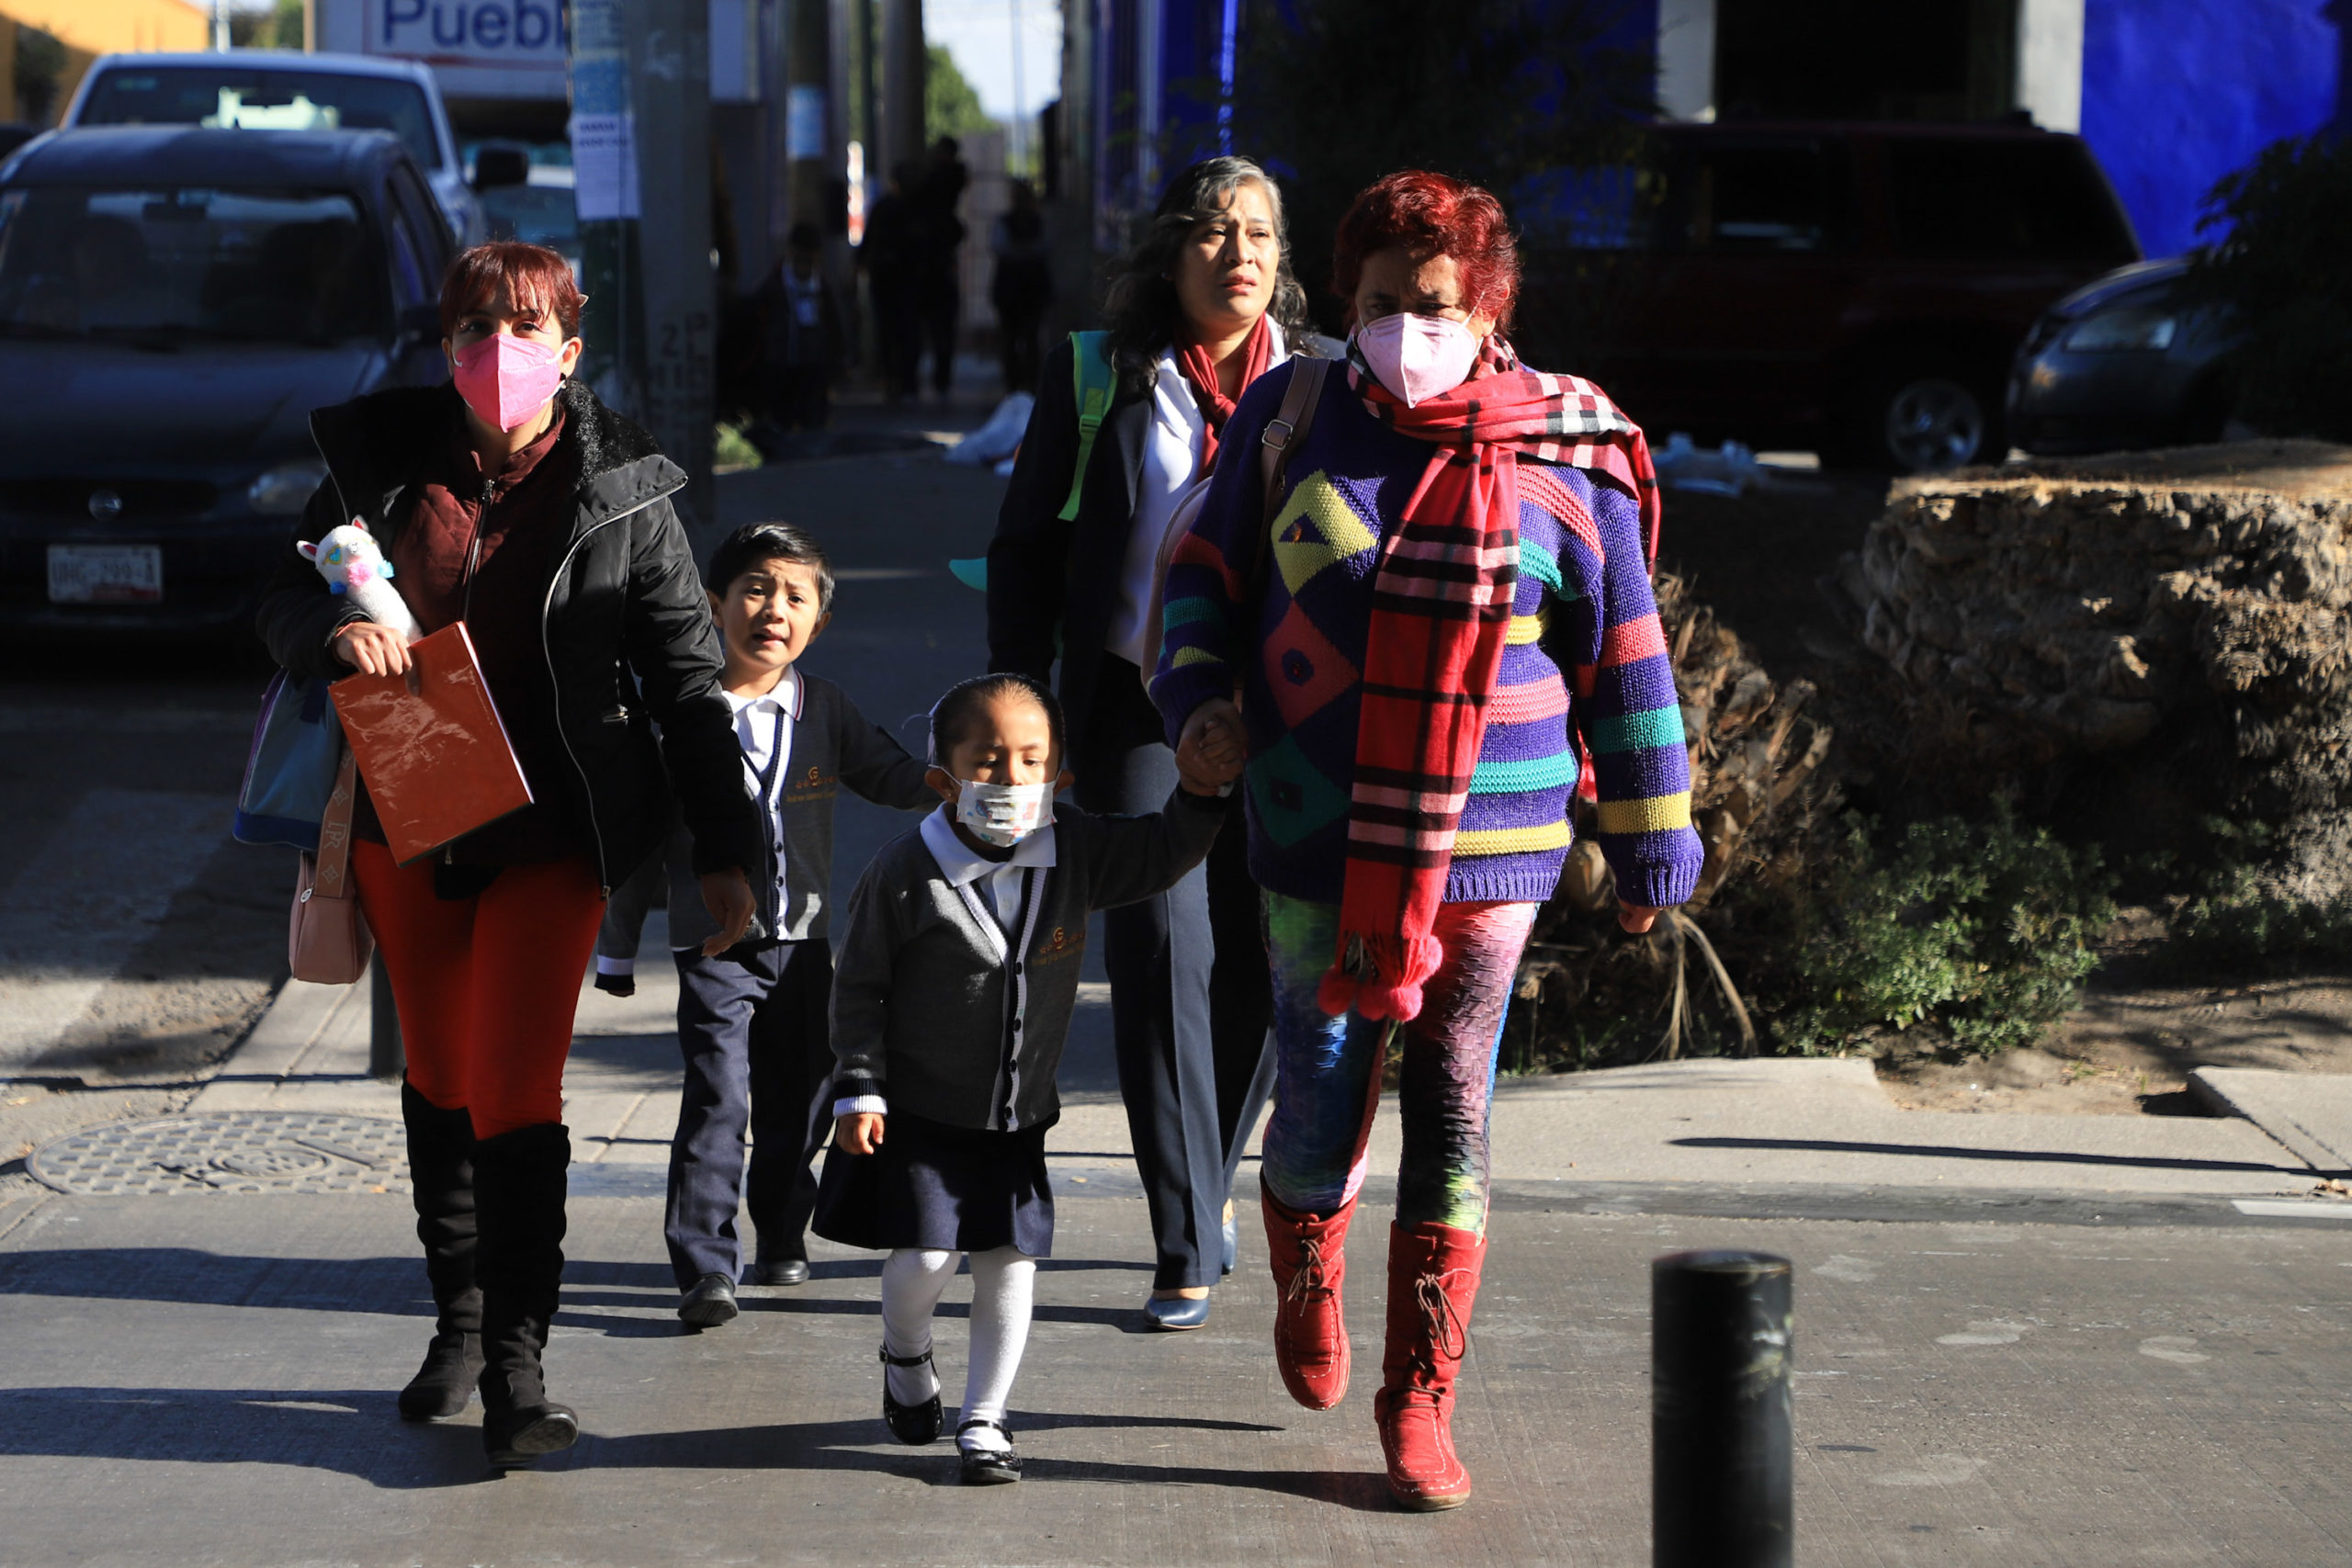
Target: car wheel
point(1926, 423)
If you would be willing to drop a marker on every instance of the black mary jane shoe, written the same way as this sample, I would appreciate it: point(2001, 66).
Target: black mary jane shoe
point(988, 1467)
point(913, 1424)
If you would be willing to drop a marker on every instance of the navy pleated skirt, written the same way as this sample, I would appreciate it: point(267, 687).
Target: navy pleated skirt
point(940, 1188)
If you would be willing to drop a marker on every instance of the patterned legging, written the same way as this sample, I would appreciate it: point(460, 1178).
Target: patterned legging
point(1326, 1072)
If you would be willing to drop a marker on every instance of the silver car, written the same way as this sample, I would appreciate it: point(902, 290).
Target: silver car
point(258, 89)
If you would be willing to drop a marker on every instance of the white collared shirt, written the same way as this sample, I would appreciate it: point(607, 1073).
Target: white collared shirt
point(764, 728)
point(1172, 467)
point(999, 882)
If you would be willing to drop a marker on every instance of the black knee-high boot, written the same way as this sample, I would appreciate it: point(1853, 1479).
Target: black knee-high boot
point(519, 1186)
point(441, 1170)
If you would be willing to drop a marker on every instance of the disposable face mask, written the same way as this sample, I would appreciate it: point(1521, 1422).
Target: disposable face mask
point(1418, 357)
point(1003, 815)
point(507, 380)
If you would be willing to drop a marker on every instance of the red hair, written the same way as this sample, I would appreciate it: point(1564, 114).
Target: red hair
point(1431, 215)
point(531, 277)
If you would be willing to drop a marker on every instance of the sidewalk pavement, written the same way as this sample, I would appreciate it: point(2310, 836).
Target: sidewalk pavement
point(1709, 1125)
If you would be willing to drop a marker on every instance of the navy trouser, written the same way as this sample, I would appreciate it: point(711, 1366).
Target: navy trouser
point(759, 1059)
point(1191, 999)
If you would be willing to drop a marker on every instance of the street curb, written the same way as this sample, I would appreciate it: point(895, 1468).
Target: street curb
point(2283, 1105)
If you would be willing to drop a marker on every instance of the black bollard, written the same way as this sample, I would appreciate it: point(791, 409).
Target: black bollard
point(1720, 1443)
point(387, 1058)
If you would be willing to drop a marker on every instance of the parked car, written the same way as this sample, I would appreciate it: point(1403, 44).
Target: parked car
point(173, 302)
point(258, 89)
point(1855, 289)
point(527, 194)
point(2123, 363)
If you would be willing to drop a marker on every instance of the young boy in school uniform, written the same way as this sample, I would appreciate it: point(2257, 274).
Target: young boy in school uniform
point(751, 1021)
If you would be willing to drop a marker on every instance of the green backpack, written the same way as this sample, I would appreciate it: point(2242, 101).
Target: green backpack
point(1095, 383)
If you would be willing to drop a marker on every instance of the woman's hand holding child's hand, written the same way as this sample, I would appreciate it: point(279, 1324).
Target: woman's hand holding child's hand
point(372, 648)
point(1211, 752)
point(727, 896)
point(859, 1133)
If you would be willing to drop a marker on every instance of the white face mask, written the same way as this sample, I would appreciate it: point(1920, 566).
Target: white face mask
point(1418, 357)
point(1003, 815)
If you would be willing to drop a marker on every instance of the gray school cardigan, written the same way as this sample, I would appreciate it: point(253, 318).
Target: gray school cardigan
point(934, 1010)
point(832, 745)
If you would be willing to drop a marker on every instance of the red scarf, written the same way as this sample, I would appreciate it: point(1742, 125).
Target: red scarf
point(1200, 370)
point(1441, 607)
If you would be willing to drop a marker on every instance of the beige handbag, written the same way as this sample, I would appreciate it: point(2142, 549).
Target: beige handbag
point(327, 941)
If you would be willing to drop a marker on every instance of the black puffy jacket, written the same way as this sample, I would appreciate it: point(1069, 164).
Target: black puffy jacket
point(622, 597)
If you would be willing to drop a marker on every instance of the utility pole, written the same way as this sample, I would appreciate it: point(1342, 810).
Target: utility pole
point(603, 158)
point(670, 70)
point(807, 111)
point(641, 151)
point(904, 66)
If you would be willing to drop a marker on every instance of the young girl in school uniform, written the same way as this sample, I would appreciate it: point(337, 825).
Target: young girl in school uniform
point(952, 995)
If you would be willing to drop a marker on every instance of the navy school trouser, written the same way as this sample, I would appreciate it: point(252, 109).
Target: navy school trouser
point(1190, 997)
point(758, 1058)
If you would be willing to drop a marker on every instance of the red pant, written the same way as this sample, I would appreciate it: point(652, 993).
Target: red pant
point(486, 985)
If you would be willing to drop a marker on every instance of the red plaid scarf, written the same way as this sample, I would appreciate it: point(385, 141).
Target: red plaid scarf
point(1441, 608)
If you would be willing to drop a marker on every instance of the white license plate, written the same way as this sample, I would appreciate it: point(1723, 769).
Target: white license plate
point(106, 574)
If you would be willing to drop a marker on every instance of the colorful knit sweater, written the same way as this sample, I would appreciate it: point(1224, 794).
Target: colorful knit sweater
point(1583, 590)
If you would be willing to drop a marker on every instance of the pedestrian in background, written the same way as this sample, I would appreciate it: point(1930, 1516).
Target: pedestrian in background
point(892, 257)
point(515, 502)
point(1202, 307)
point(1023, 286)
point(1449, 515)
point(800, 336)
point(940, 295)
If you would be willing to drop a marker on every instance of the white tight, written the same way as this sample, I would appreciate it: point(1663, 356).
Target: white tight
point(1003, 1284)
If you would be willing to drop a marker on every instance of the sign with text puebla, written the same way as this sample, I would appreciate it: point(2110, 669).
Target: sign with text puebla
point(526, 35)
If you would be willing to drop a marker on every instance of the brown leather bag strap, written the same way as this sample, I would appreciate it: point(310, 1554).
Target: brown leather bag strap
point(1289, 421)
point(329, 881)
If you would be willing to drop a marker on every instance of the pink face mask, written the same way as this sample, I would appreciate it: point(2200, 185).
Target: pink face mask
point(1418, 357)
point(507, 379)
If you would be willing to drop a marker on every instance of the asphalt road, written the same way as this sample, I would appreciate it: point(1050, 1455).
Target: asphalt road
point(208, 1380)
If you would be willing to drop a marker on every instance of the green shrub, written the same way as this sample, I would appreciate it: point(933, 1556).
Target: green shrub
point(2224, 914)
point(1985, 928)
point(2280, 268)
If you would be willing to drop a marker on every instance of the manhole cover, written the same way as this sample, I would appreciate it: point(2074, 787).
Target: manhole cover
point(229, 1151)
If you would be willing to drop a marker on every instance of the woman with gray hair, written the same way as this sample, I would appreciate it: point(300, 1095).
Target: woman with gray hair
point(1125, 427)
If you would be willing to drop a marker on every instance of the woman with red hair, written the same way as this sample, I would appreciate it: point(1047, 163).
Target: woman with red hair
point(1457, 570)
point(512, 500)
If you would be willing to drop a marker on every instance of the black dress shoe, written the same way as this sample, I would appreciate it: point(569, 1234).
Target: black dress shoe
point(780, 1271)
point(710, 1304)
point(988, 1467)
point(913, 1424)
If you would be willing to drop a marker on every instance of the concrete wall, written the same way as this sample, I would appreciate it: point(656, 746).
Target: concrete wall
point(2178, 93)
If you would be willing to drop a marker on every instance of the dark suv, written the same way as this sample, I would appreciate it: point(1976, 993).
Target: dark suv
point(1855, 289)
point(173, 302)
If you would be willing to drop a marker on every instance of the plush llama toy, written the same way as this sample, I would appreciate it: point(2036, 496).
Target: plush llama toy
point(351, 563)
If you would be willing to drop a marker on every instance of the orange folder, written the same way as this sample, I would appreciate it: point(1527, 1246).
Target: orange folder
point(431, 747)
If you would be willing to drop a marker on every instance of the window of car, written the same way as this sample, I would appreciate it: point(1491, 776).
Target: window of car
point(157, 265)
point(2007, 200)
point(1749, 198)
point(240, 96)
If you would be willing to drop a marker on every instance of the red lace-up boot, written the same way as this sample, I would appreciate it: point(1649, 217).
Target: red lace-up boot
point(1433, 1280)
point(1310, 1333)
